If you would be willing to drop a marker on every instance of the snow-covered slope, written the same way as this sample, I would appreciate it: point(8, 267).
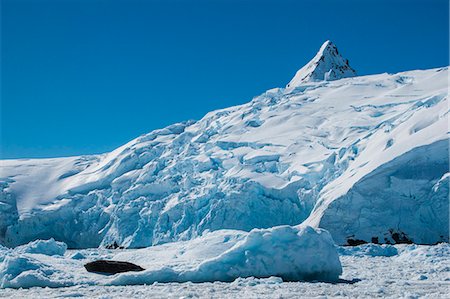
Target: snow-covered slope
point(364, 157)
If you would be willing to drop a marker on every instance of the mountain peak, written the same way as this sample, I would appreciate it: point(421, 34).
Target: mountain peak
point(327, 65)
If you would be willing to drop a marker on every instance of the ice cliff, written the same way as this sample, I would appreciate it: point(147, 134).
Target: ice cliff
point(363, 157)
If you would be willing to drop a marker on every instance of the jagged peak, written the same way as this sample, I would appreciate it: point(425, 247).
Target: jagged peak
point(327, 65)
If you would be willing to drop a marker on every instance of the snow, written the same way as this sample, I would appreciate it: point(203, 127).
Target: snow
point(327, 65)
point(47, 247)
point(369, 250)
point(20, 271)
point(365, 158)
point(402, 192)
point(415, 271)
point(25, 266)
point(290, 253)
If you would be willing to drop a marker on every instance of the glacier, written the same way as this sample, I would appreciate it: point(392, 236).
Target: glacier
point(364, 157)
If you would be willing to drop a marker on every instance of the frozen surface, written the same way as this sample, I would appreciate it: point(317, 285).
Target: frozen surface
point(291, 253)
point(368, 250)
point(30, 265)
point(416, 271)
point(47, 247)
point(364, 157)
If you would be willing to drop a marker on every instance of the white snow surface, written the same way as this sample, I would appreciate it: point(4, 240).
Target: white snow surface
point(47, 247)
point(291, 253)
point(369, 271)
point(364, 157)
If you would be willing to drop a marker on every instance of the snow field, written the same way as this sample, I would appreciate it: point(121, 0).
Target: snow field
point(371, 271)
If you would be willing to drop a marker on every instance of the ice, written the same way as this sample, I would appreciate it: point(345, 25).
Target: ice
point(425, 253)
point(415, 271)
point(18, 271)
point(369, 250)
point(252, 281)
point(78, 256)
point(408, 193)
point(365, 158)
point(40, 263)
point(47, 247)
point(290, 253)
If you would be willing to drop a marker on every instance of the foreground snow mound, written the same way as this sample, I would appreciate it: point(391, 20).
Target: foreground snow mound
point(23, 271)
point(33, 265)
point(290, 253)
point(20, 267)
point(41, 263)
point(47, 247)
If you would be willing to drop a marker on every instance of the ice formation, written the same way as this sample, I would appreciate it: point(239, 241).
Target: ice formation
point(371, 271)
point(47, 247)
point(31, 265)
point(363, 157)
point(290, 253)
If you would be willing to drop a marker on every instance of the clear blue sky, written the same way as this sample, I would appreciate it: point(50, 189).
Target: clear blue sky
point(81, 77)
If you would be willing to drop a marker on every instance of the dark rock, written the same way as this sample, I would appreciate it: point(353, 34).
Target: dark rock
point(400, 237)
point(114, 246)
point(375, 240)
point(355, 242)
point(111, 267)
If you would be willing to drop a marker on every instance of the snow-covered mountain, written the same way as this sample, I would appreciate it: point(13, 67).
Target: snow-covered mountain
point(363, 157)
point(327, 65)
